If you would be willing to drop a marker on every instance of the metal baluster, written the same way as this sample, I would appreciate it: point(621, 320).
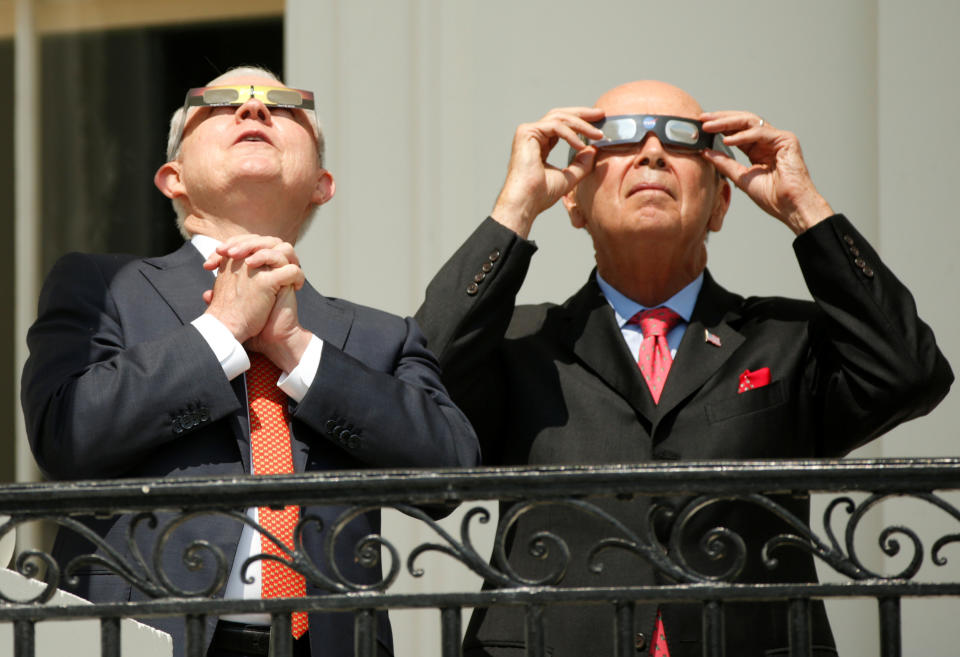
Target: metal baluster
point(714, 641)
point(534, 631)
point(196, 628)
point(365, 633)
point(450, 632)
point(281, 637)
point(624, 640)
point(890, 643)
point(110, 637)
point(798, 614)
point(23, 638)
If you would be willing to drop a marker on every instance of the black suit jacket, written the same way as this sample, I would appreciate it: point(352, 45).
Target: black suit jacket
point(119, 384)
point(551, 384)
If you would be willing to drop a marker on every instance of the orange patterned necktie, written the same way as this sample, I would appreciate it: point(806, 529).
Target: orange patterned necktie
point(271, 454)
point(655, 359)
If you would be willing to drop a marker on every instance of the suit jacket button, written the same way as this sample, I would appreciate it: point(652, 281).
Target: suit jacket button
point(640, 641)
point(330, 425)
point(854, 250)
point(479, 277)
point(848, 240)
point(486, 267)
point(472, 289)
point(353, 442)
point(860, 262)
point(867, 271)
point(494, 255)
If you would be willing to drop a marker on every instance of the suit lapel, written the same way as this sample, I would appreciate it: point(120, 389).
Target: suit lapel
point(180, 280)
point(597, 341)
point(330, 321)
point(697, 358)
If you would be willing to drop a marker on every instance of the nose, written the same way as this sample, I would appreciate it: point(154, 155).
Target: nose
point(253, 108)
point(650, 153)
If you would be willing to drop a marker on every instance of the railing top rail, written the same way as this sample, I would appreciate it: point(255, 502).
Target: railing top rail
point(376, 487)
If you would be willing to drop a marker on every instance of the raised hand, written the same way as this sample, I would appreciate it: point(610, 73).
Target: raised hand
point(533, 185)
point(777, 179)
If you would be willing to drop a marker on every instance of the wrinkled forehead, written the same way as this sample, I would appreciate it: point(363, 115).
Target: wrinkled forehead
point(649, 97)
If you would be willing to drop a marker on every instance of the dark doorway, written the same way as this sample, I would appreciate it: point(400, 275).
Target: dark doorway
point(107, 101)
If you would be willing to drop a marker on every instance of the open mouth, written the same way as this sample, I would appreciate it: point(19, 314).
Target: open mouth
point(253, 136)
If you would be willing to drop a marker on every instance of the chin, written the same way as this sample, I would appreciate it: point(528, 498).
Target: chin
point(265, 168)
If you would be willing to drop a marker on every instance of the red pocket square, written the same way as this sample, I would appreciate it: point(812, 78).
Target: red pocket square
point(750, 380)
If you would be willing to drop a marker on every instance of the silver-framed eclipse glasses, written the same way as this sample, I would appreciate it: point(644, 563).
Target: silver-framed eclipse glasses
point(674, 132)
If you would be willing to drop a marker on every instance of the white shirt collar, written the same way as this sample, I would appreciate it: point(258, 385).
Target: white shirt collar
point(205, 244)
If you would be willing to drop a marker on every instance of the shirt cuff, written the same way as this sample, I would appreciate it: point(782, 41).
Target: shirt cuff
point(296, 383)
point(231, 354)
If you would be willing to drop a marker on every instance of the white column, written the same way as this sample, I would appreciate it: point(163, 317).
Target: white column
point(26, 107)
point(920, 234)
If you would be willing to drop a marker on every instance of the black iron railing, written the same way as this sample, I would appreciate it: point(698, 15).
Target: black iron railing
point(856, 488)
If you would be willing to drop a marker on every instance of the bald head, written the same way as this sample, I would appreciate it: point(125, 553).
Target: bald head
point(649, 97)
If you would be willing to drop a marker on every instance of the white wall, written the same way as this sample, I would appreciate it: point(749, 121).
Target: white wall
point(420, 99)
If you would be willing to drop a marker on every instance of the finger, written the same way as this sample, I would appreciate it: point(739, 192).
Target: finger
point(212, 262)
point(584, 113)
point(580, 122)
point(282, 276)
point(727, 166)
point(581, 165)
point(240, 246)
point(207, 296)
point(578, 126)
point(729, 122)
point(572, 136)
point(272, 258)
point(286, 248)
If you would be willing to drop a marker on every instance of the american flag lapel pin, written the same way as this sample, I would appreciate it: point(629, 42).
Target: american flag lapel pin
point(712, 338)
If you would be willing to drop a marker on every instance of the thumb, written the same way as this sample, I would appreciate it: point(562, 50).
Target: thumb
point(581, 165)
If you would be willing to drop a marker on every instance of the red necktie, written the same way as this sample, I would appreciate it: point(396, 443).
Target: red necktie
point(655, 356)
point(659, 646)
point(654, 363)
point(271, 454)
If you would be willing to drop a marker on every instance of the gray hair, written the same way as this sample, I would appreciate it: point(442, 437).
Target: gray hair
point(177, 124)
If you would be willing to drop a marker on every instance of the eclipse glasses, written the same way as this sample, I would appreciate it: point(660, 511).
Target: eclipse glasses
point(236, 95)
point(674, 132)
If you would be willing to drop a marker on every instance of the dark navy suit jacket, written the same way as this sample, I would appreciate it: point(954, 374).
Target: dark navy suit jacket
point(119, 384)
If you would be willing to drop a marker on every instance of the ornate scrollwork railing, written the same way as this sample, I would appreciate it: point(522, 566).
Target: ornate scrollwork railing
point(667, 534)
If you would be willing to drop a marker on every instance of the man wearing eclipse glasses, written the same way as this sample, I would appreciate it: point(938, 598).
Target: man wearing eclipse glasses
point(220, 359)
point(653, 361)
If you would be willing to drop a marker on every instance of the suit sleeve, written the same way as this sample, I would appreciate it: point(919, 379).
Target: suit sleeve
point(380, 399)
point(466, 313)
point(876, 362)
point(95, 406)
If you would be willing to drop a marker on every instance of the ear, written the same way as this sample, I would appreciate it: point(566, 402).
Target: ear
point(324, 189)
point(720, 206)
point(168, 181)
point(577, 217)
